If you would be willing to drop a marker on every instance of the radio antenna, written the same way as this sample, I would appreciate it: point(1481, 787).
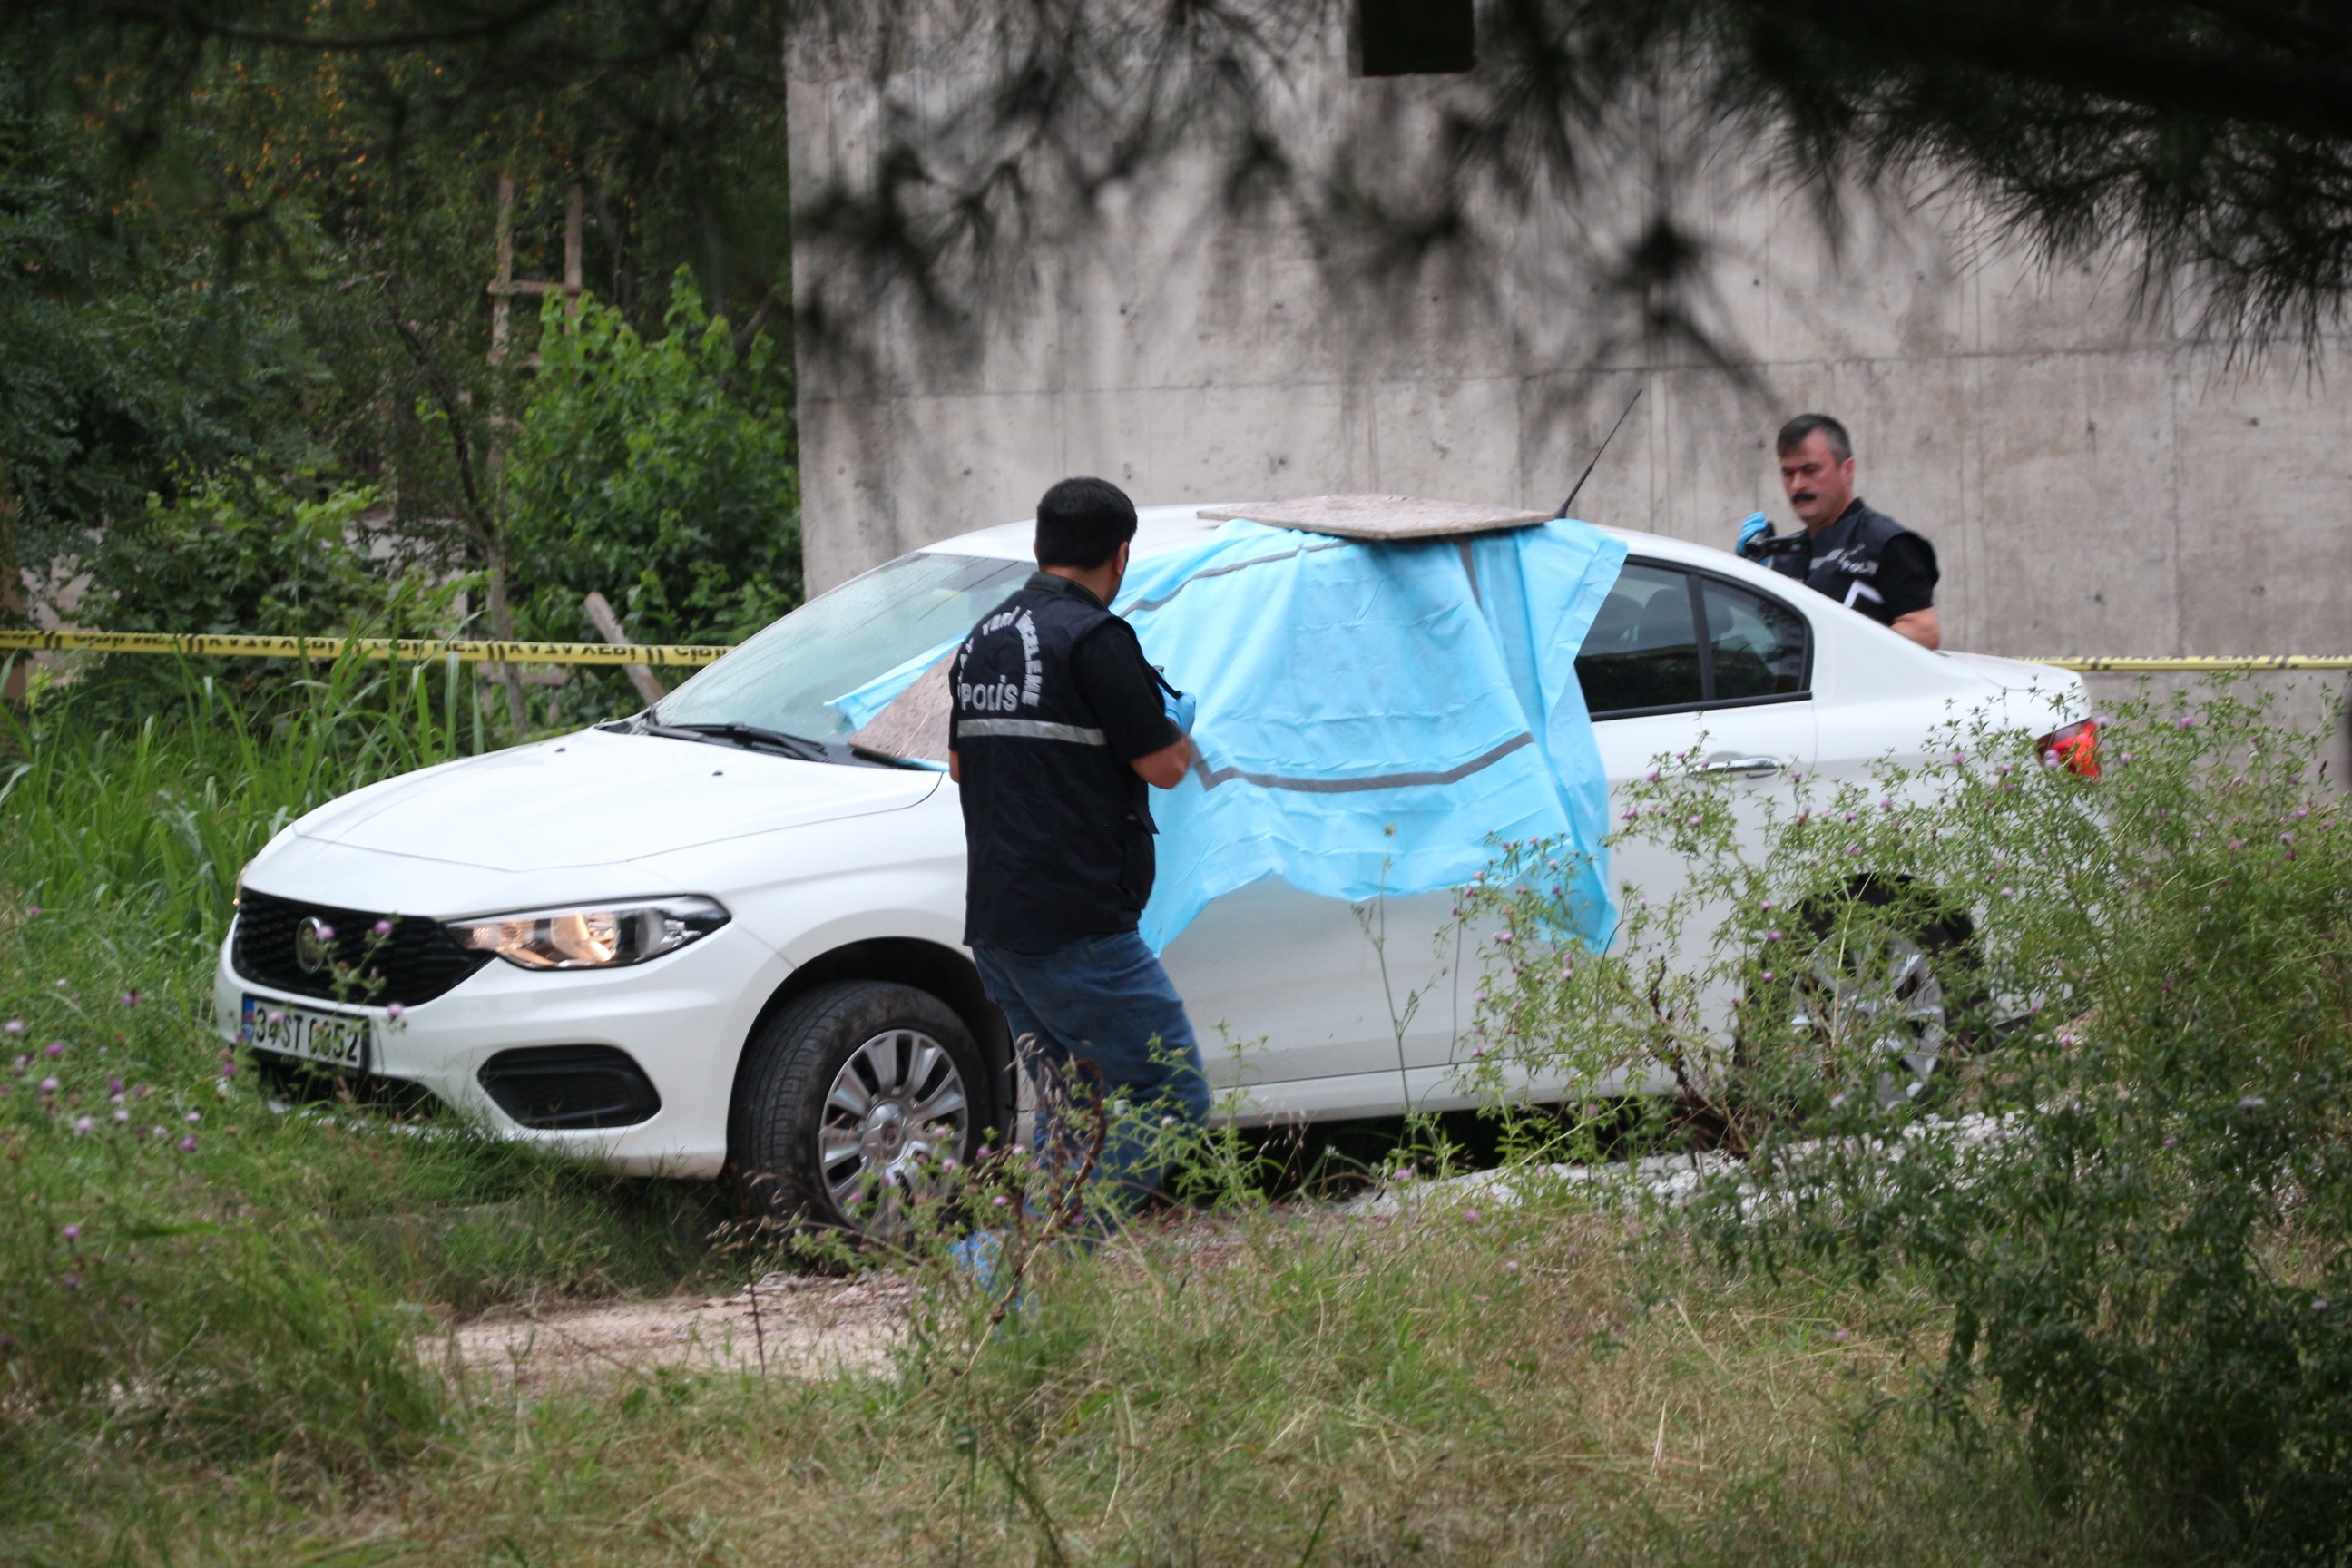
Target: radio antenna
point(1596, 455)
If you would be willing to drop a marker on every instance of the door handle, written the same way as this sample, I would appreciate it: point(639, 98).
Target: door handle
point(1743, 767)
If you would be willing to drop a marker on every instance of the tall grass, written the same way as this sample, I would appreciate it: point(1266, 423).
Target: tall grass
point(183, 1270)
point(160, 814)
point(216, 1321)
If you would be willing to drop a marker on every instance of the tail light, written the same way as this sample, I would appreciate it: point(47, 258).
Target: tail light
point(2074, 748)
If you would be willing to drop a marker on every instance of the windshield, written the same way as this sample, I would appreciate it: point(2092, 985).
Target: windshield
point(782, 679)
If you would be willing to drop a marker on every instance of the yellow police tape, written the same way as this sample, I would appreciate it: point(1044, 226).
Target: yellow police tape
point(2195, 663)
point(423, 650)
point(418, 650)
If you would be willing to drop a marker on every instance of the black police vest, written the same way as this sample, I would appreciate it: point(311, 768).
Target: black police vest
point(1843, 560)
point(1057, 831)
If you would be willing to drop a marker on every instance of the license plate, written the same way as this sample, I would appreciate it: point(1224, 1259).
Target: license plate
point(330, 1039)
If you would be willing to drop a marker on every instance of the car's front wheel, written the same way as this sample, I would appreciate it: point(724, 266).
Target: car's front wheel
point(850, 1103)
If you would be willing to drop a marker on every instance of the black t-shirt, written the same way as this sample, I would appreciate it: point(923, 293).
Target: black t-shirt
point(1119, 685)
point(1867, 561)
point(1907, 577)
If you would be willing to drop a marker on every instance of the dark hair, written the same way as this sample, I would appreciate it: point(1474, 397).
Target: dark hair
point(1082, 522)
point(1793, 434)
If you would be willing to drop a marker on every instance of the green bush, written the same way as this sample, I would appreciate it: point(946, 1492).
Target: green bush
point(658, 472)
point(2128, 1184)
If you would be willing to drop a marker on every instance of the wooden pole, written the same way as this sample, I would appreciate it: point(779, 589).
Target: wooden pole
point(608, 627)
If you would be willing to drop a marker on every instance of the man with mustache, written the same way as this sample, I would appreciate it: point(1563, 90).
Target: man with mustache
point(1863, 559)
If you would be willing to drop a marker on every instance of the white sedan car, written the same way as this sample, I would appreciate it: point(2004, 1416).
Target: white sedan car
point(715, 939)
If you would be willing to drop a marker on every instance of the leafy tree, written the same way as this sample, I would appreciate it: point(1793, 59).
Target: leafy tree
point(659, 471)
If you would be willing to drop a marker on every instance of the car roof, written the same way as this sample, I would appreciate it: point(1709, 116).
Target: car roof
point(1163, 529)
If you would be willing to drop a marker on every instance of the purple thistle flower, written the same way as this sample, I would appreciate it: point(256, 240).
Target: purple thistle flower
point(114, 1086)
point(1510, 1265)
point(194, 1116)
point(276, 1016)
point(1000, 1201)
point(83, 1124)
point(57, 1048)
point(381, 927)
point(72, 1233)
point(120, 1117)
point(71, 1281)
point(49, 1086)
point(394, 1011)
point(131, 998)
point(12, 1026)
point(1471, 1215)
point(326, 931)
point(187, 1145)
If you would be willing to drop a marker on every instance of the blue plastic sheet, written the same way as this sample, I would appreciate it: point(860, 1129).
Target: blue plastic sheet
point(1372, 716)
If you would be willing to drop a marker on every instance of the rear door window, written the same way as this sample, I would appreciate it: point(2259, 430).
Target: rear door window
point(1643, 651)
point(1667, 639)
point(1757, 645)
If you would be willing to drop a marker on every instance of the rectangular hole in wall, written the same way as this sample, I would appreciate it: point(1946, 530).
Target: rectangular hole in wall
point(1415, 37)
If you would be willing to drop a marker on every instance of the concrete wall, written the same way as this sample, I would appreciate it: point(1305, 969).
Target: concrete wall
point(2094, 480)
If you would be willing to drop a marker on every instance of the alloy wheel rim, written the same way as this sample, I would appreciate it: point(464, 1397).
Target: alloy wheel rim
point(897, 1110)
point(1878, 990)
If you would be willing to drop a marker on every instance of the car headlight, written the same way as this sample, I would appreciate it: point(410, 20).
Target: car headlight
point(592, 936)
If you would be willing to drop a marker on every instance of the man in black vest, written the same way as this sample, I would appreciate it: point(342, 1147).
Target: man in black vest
point(1059, 725)
point(1863, 559)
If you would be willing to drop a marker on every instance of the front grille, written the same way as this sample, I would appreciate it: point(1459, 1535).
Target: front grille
point(414, 963)
point(571, 1086)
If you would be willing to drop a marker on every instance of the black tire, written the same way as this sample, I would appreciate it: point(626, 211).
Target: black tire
point(796, 1094)
point(1862, 977)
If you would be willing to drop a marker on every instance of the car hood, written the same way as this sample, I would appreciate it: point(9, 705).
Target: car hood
point(596, 799)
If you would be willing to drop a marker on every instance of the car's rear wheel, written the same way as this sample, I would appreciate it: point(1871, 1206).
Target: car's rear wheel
point(1882, 1002)
point(850, 1102)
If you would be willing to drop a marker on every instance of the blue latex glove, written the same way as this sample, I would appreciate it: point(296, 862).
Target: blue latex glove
point(1756, 529)
point(1179, 707)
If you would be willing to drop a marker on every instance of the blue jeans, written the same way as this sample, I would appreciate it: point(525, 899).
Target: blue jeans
point(1102, 1000)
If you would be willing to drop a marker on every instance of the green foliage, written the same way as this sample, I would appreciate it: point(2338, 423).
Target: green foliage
point(239, 553)
point(2133, 1203)
point(244, 1284)
point(658, 471)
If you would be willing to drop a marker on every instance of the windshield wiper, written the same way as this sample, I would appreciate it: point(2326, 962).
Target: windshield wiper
point(751, 737)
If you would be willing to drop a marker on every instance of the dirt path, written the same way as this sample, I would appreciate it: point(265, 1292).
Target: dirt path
point(792, 1325)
